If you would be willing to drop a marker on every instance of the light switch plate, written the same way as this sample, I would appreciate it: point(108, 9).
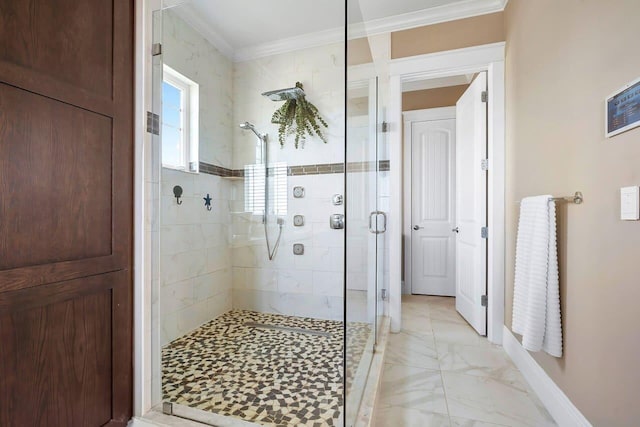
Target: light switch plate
point(630, 203)
point(298, 220)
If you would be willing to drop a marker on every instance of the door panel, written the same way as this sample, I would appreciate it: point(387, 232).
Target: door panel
point(62, 348)
point(65, 41)
point(433, 207)
point(46, 135)
point(66, 209)
point(471, 202)
point(435, 252)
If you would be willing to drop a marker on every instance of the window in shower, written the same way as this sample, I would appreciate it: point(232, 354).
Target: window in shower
point(179, 121)
point(254, 188)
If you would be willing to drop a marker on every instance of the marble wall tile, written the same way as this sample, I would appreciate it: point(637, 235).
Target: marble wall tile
point(316, 275)
point(291, 304)
point(321, 70)
point(328, 283)
point(195, 257)
point(186, 51)
point(295, 281)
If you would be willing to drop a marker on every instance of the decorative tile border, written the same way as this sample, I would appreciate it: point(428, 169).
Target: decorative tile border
point(220, 171)
point(316, 169)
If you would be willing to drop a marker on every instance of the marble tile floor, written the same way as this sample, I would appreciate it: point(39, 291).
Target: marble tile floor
point(266, 376)
point(440, 373)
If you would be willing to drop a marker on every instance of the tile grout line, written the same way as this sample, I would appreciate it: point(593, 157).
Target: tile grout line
point(444, 389)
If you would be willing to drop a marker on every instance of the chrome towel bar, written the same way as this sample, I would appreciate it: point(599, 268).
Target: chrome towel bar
point(577, 198)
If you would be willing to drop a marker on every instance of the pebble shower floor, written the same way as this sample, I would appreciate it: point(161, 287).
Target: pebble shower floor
point(271, 377)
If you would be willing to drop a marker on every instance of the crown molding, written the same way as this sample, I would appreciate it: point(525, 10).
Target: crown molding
point(434, 15)
point(304, 41)
point(430, 16)
point(450, 12)
point(200, 25)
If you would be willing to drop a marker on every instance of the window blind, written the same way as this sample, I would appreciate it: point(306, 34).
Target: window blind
point(254, 189)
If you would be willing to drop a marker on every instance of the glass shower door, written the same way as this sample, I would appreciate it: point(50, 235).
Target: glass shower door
point(364, 226)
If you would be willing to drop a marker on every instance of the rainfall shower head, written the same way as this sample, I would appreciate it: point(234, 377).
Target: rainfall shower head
point(285, 94)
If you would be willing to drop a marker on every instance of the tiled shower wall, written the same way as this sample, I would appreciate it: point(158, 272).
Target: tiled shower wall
point(195, 263)
point(303, 285)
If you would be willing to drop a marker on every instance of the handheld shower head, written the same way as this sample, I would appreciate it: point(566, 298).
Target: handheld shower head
point(252, 128)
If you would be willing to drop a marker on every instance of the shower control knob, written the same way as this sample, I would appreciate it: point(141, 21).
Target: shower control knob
point(336, 221)
point(298, 249)
point(298, 220)
point(298, 192)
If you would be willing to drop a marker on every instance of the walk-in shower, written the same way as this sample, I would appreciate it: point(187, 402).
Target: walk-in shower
point(263, 309)
point(263, 137)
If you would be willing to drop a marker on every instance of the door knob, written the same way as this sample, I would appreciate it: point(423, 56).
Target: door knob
point(417, 227)
point(455, 230)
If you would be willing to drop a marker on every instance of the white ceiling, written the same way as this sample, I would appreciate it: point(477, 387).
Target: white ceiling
point(244, 23)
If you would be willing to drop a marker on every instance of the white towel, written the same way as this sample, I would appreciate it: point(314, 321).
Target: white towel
point(536, 295)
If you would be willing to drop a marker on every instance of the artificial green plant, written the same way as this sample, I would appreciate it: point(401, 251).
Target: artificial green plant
point(298, 117)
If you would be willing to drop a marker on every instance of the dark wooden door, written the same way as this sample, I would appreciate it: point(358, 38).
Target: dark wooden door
point(66, 208)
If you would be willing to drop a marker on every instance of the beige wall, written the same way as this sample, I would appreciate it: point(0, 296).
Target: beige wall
point(458, 34)
point(432, 98)
point(563, 59)
point(358, 52)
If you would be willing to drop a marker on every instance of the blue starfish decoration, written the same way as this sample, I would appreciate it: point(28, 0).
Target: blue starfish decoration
point(207, 202)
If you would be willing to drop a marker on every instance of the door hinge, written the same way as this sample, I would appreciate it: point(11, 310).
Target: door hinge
point(383, 294)
point(484, 232)
point(484, 164)
point(167, 408)
point(385, 127)
point(156, 49)
point(153, 123)
point(485, 96)
point(484, 300)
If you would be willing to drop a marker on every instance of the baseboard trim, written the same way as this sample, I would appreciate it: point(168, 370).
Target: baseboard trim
point(557, 403)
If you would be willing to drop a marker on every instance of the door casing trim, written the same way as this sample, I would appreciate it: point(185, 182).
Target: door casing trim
point(488, 58)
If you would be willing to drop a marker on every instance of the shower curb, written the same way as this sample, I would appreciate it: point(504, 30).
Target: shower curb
point(367, 410)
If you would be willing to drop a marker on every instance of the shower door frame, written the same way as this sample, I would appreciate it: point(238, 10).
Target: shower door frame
point(146, 190)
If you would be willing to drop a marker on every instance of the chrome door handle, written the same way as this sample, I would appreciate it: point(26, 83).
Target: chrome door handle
point(371, 230)
point(376, 231)
point(384, 224)
point(417, 227)
point(455, 230)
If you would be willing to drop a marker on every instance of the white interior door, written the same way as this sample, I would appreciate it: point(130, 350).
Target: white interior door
point(471, 203)
point(433, 147)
